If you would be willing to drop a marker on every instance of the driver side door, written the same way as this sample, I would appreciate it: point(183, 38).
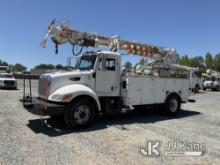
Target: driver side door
point(107, 77)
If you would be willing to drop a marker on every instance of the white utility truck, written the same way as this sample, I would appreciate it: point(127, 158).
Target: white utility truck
point(99, 84)
point(196, 82)
point(211, 80)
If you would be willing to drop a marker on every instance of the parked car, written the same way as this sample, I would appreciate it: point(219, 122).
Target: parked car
point(7, 80)
point(211, 80)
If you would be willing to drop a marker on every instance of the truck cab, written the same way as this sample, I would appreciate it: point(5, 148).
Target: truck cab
point(98, 72)
point(96, 76)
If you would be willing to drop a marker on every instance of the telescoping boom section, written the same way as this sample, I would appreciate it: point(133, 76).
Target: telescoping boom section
point(62, 34)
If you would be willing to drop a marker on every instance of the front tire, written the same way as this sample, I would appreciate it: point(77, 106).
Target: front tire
point(79, 114)
point(173, 105)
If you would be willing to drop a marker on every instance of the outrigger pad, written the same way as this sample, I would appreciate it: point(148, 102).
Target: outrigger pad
point(27, 102)
point(28, 105)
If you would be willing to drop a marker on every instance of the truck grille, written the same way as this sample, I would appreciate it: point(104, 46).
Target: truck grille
point(8, 82)
point(42, 91)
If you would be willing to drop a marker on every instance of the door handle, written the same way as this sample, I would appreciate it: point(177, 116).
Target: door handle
point(112, 88)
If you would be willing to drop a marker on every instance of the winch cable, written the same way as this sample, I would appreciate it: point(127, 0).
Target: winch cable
point(79, 52)
point(83, 45)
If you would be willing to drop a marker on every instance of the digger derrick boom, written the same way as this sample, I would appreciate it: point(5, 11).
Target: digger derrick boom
point(62, 34)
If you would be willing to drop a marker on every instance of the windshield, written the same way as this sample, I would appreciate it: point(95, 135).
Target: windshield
point(6, 76)
point(86, 62)
point(210, 78)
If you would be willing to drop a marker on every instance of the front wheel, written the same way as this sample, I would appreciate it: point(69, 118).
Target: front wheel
point(79, 114)
point(173, 105)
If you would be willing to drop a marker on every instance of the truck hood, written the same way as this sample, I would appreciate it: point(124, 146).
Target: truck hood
point(66, 74)
point(207, 82)
point(57, 80)
point(8, 79)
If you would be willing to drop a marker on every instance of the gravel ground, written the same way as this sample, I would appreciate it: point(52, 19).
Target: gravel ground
point(111, 139)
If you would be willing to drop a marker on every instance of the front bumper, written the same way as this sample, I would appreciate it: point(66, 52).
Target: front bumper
point(8, 85)
point(210, 86)
point(40, 107)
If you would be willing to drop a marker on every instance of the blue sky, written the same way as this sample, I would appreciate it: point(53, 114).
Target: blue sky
point(190, 26)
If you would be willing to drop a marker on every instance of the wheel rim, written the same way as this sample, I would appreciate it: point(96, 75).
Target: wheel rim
point(82, 114)
point(173, 105)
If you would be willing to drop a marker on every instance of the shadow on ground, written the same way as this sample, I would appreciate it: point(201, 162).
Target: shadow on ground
point(9, 89)
point(56, 127)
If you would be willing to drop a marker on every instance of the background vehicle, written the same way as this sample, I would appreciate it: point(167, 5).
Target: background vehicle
point(196, 82)
point(7, 80)
point(4, 69)
point(99, 84)
point(211, 80)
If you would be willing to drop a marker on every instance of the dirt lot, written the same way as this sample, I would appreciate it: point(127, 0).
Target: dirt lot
point(111, 139)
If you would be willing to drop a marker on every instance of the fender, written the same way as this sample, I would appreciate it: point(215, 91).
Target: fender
point(72, 91)
point(172, 93)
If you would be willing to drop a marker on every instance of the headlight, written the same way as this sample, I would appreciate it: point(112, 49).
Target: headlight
point(57, 97)
point(63, 98)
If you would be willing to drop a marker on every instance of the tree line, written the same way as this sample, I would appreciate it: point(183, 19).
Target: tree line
point(209, 61)
point(21, 68)
point(17, 67)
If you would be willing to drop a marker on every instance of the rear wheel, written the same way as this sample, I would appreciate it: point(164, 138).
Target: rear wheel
point(173, 105)
point(196, 90)
point(79, 114)
point(204, 89)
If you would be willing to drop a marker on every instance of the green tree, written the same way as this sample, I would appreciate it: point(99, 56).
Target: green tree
point(45, 66)
point(217, 62)
point(3, 63)
point(142, 61)
point(209, 61)
point(177, 59)
point(60, 67)
point(19, 67)
point(41, 66)
point(197, 61)
point(184, 60)
point(50, 66)
point(128, 65)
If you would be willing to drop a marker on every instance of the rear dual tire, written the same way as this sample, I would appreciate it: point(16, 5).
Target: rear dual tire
point(196, 90)
point(172, 105)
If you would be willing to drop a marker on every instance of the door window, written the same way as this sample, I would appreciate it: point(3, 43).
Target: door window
point(110, 64)
point(107, 64)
